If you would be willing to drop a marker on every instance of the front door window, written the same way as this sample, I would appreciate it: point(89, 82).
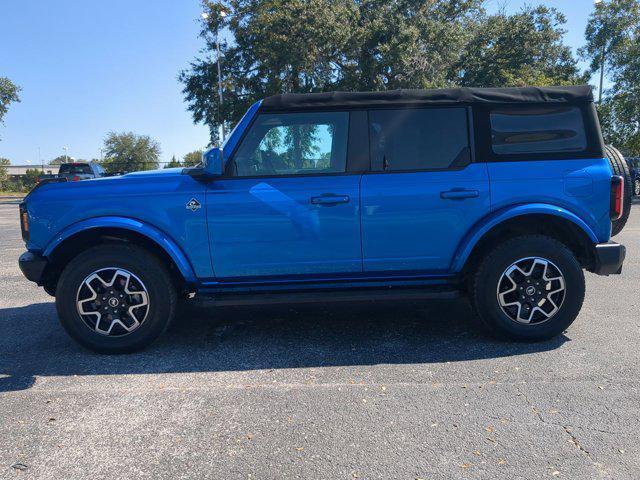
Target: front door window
point(293, 144)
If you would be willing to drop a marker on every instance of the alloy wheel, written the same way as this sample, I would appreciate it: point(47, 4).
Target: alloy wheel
point(112, 301)
point(531, 290)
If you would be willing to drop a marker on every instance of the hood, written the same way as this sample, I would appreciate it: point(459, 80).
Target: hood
point(105, 185)
point(155, 173)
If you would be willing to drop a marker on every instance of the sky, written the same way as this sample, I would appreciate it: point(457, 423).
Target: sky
point(90, 67)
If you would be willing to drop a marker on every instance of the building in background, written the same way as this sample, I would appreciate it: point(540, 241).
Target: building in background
point(16, 171)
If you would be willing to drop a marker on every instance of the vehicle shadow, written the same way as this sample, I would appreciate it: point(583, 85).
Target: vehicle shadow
point(32, 343)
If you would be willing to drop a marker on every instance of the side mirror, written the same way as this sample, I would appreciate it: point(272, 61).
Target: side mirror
point(213, 162)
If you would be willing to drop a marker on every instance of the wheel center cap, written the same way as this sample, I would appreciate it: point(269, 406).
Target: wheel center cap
point(530, 290)
point(114, 302)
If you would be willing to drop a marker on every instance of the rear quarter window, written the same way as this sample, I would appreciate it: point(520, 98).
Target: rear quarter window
point(537, 130)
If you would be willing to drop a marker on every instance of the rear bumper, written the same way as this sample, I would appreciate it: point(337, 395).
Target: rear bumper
point(32, 266)
point(608, 258)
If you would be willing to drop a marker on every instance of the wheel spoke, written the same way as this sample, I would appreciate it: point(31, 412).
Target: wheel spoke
point(531, 290)
point(112, 301)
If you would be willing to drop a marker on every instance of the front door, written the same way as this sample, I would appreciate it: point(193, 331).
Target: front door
point(424, 193)
point(287, 205)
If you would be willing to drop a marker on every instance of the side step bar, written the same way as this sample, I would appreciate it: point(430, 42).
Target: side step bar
point(359, 295)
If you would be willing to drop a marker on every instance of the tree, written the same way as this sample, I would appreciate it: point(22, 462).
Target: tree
point(4, 162)
point(405, 43)
point(173, 163)
point(192, 159)
point(525, 48)
point(30, 178)
point(128, 152)
point(613, 35)
point(8, 94)
point(323, 45)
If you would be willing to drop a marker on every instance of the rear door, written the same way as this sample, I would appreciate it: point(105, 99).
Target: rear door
point(424, 192)
point(288, 206)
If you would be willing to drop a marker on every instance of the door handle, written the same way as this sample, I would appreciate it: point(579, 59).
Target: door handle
point(459, 194)
point(329, 199)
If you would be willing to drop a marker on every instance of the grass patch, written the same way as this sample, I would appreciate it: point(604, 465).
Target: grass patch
point(12, 194)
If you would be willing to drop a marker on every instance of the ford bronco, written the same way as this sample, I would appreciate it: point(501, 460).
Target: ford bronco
point(503, 195)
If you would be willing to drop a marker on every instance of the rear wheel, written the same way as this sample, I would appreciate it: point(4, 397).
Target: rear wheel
point(529, 288)
point(115, 298)
point(620, 167)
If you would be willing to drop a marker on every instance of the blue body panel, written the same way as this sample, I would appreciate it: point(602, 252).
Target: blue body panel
point(407, 225)
point(482, 227)
point(266, 227)
point(149, 231)
point(581, 187)
point(152, 203)
point(577, 190)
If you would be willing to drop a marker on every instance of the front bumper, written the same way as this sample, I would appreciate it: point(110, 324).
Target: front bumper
point(32, 266)
point(608, 258)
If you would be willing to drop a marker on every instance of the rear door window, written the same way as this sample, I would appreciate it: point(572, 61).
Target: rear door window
point(537, 130)
point(419, 139)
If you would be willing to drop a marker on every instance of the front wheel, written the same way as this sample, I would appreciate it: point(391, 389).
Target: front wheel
point(529, 288)
point(115, 298)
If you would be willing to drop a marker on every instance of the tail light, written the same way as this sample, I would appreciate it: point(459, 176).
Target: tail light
point(75, 178)
point(24, 221)
point(616, 205)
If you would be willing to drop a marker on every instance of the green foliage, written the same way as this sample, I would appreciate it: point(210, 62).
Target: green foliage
point(322, 45)
point(525, 48)
point(173, 163)
point(3, 168)
point(614, 28)
point(129, 152)
point(8, 94)
point(14, 184)
point(30, 178)
point(192, 159)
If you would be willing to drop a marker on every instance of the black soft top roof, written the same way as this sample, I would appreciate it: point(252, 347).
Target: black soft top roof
point(445, 96)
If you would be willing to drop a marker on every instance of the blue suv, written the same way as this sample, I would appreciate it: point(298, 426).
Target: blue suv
point(504, 195)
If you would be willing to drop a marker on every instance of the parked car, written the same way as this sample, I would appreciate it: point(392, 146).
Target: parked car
point(634, 169)
point(76, 171)
point(504, 195)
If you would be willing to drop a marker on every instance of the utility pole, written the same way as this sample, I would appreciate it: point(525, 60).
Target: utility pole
point(601, 74)
point(205, 16)
point(597, 4)
point(40, 161)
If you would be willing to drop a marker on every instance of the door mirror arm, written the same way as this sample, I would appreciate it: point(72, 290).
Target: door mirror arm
point(198, 173)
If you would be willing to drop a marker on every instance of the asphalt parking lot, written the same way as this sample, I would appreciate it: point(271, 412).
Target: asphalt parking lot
point(380, 391)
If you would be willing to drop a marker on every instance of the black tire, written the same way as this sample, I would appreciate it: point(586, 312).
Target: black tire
point(149, 270)
point(485, 282)
point(620, 167)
